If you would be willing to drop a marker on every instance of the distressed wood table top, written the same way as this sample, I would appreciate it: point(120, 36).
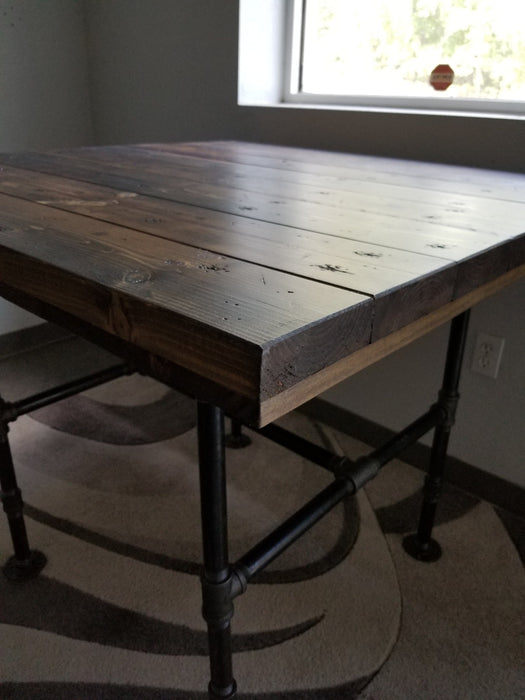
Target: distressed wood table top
point(249, 275)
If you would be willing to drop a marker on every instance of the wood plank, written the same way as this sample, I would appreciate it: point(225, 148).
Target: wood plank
point(211, 314)
point(372, 268)
point(329, 260)
point(421, 175)
point(356, 209)
point(180, 378)
point(387, 274)
point(481, 212)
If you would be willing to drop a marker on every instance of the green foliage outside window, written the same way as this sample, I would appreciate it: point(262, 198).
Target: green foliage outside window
point(381, 47)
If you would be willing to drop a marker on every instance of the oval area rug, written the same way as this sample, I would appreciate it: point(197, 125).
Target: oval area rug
point(110, 479)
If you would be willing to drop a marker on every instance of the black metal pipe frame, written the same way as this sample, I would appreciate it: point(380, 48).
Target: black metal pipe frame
point(335, 463)
point(25, 562)
point(222, 583)
point(309, 450)
point(11, 411)
point(350, 477)
point(421, 545)
point(217, 599)
point(236, 438)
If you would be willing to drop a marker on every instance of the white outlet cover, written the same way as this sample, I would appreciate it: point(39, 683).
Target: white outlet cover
point(488, 351)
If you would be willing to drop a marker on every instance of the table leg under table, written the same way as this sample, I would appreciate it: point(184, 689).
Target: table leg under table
point(421, 545)
point(25, 563)
point(216, 578)
point(222, 581)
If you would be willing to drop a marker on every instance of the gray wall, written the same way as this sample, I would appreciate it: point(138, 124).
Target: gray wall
point(44, 99)
point(167, 69)
point(43, 75)
point(162, 69)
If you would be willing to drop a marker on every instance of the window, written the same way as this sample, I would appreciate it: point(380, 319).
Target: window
point(461, 55)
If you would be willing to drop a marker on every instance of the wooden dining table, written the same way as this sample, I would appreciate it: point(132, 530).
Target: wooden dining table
point(253, 277)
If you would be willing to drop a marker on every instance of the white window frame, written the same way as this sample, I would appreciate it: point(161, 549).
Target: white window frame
point(292, 96)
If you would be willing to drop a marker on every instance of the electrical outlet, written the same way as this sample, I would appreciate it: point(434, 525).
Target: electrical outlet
point(487, 355)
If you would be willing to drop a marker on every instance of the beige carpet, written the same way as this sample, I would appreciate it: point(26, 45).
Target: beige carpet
point(111, 484)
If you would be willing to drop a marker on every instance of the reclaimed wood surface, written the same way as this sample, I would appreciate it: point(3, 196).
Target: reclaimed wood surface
point(247, 274)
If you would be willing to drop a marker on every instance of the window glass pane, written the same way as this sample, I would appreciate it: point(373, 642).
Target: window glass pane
point(391, 47)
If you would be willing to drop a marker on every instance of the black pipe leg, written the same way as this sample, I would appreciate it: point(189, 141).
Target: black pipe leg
point(217, 577)
point(25, 563)
point(421, 544)
point(236, 438)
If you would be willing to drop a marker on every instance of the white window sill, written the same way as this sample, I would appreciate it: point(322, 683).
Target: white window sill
point(381, 110)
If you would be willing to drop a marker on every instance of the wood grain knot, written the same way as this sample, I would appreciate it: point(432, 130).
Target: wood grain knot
point(137, 276)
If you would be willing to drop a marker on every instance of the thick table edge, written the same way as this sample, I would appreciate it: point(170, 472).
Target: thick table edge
point(277, 406)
